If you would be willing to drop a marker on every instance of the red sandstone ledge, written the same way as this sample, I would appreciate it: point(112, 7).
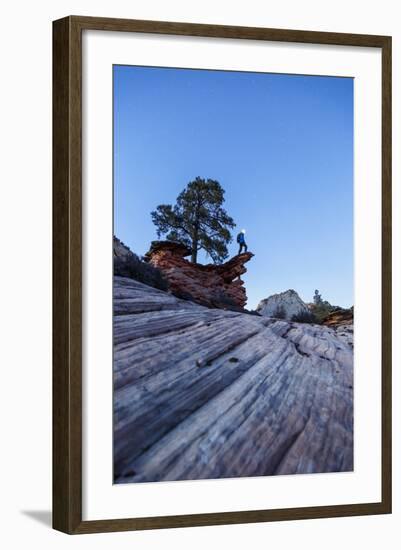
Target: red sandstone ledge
point(218, 286)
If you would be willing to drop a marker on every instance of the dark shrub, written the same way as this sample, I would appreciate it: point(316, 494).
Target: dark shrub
point(304, 317)
point(323, 309)
point(133, 267)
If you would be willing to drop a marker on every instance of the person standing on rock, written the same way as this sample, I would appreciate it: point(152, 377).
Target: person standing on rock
point(241, 241)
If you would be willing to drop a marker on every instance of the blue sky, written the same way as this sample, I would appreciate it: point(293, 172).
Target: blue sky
point(280, 145)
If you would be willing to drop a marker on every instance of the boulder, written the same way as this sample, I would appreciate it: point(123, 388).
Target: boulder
point(283, 306)
point(120, 250)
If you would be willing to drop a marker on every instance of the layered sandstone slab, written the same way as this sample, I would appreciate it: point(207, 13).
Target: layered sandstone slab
point(218, 286)
point(207, 393)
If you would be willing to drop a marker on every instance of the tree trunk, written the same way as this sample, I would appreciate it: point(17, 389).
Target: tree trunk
point(195, 238)
point(194, 255)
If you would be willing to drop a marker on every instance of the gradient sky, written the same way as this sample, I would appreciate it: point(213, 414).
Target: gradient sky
point(280, 145)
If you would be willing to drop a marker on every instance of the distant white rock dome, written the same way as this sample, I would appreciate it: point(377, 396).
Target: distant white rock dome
point(284, 305)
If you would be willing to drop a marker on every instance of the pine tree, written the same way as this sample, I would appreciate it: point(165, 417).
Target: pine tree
point(197, 219)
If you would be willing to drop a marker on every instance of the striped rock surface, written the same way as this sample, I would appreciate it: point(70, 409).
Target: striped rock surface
point(206, 393)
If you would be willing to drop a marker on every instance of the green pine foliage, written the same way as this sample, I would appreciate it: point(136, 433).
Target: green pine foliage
point(321, 310)
point(197, 220)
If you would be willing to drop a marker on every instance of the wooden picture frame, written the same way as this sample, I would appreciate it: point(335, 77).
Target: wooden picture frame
point(67, 274)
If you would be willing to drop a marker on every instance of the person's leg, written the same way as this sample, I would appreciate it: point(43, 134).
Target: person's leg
point(246, 247)
point(240, 248)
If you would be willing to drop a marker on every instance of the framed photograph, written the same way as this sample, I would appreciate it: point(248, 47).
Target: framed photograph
point(222, 274)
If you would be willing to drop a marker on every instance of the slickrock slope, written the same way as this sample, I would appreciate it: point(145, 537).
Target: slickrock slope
point(286, 304)
point(209, 285)
point(207, 393)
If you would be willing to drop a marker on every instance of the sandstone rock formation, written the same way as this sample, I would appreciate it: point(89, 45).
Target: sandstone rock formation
point(284, 305)
point(120, 250)
point(206, 393)
point(209, 285)
point(339, 317)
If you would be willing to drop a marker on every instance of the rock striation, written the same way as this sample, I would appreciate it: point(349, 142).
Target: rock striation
point(284, 305)
point(217, 286)
point(206, 393)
